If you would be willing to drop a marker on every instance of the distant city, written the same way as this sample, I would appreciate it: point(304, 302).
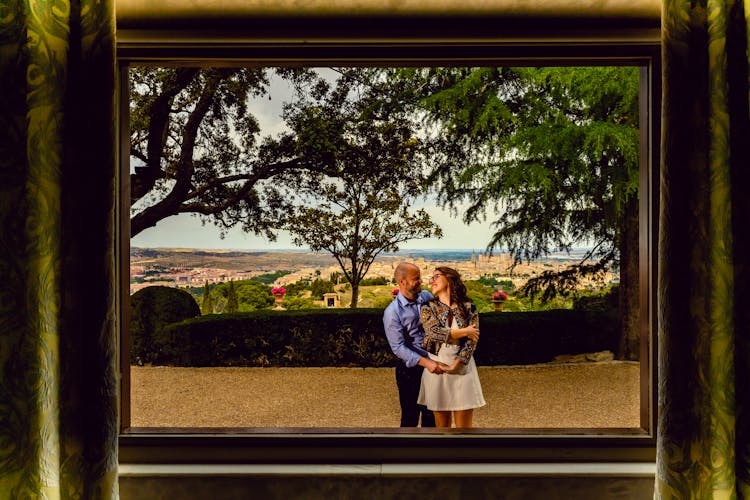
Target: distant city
point(180, 267)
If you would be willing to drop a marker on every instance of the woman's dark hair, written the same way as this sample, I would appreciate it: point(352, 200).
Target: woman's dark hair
point(458, 289)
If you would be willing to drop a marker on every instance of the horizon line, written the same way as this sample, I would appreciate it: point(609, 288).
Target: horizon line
point(297, 249)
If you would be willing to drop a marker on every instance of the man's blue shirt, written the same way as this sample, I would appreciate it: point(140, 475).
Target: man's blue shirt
point(403, 328)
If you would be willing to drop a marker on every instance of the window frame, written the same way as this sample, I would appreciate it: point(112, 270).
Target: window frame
point(596, 46)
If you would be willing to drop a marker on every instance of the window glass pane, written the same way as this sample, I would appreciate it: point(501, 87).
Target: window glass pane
point(271, 206)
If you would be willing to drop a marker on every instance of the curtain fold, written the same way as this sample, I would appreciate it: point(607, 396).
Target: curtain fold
point(704, 314)
point(58, 371)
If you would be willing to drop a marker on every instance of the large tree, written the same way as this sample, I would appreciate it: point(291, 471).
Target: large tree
point(197, 147)
point(361, 206)
point(550, 155)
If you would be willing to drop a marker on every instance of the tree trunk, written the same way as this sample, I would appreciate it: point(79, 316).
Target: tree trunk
point(629, 290)
point(355, 295)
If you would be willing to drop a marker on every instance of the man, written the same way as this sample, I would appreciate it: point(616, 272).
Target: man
point(405, 334)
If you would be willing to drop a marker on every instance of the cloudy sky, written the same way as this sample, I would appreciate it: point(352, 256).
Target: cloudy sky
point(186, 231)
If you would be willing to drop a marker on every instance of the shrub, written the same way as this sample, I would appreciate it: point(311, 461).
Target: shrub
point(382, 302)
point(150, 309)
point(250, 295)
point(326, 337)
point(374, 281)
point(269, 278)
point(492, 281)
point(346, 337)
point(521, 338)
point(298, 287)
point(603, 301)
point(320, 287)
point(233, 304)
point(294, 303)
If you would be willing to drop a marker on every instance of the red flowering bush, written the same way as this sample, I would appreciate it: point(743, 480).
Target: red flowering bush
point(499, 295)
point(394, 292)
point(278, 291)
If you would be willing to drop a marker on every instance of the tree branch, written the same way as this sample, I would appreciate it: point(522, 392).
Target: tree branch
point(170, 204)
point(263, 173)
point(145, 177)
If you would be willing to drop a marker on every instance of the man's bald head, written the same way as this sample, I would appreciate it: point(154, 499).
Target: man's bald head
point(409, 279)
point(403, 270)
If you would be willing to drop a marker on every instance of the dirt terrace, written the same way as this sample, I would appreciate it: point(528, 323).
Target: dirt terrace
point(584, 395)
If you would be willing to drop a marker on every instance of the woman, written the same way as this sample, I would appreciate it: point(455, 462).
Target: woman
point(451, 326)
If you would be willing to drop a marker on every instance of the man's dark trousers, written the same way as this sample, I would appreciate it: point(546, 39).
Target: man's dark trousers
point(408, 381)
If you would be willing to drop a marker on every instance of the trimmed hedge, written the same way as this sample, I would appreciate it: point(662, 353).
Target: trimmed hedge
point(150, 309)
point(523, 338)
point(345, 337)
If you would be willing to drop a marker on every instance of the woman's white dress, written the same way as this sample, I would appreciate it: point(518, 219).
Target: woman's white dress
point(446, 391)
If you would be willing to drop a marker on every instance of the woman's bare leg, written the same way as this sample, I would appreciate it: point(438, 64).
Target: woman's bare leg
point(442, 418)
point(463, 417)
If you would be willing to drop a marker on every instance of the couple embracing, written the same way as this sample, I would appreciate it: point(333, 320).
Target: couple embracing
point(434, 336)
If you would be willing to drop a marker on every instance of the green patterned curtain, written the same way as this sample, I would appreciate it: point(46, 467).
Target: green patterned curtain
point(58, 382)
point(703, 442)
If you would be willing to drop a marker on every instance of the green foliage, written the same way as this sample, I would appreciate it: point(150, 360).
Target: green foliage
point(551, 153)
point(147, 280)
point(382, 302)
point(294, 303)
point(152, 308)
point(506, 285)
point(327, 337)
point(488, 280)
point(297, 288)
point(197, 146)
point(537, 337)
point(269, 278)
point(301, 295)
point(602, 301)
point(318, 287)
point(374, 281)
point(251, 295)
point(196, 291)
point(232, 301)
point(346, 337)
point(375, 296)
point(529, 304)
point(207, 304)
point(480, 294)
point(358, 206)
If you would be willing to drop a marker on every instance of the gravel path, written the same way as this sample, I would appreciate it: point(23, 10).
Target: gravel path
point(604, 394)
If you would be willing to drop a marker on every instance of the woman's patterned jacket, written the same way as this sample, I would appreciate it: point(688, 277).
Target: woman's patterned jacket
point(434, 317)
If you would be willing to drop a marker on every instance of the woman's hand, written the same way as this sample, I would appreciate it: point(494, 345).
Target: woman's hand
point(456, 367)
point(471, 331)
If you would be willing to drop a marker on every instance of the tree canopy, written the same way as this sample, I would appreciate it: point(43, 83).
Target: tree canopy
point(548, 155)
point(359, 206)
point(199, 149)
point(239, 296)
